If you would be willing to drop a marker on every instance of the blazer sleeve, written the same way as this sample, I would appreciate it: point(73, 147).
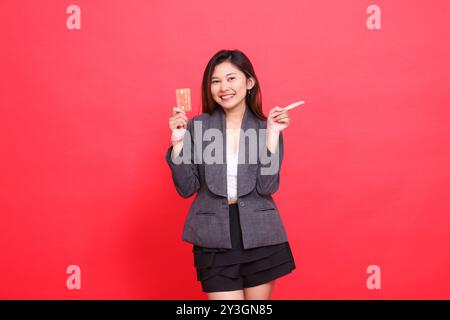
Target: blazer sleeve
point(267, 184)
point(185, 176)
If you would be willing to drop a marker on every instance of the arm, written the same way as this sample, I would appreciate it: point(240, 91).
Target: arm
point(185, 174)
point(268, 183)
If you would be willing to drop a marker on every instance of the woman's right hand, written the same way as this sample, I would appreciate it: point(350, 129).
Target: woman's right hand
point(178, 125)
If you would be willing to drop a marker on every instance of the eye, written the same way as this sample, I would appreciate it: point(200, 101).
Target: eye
point(231, 78)
point(214, 81)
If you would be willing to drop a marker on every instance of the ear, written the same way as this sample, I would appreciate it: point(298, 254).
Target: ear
point(250, 83)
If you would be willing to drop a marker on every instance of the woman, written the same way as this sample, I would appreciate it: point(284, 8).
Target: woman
point(239, 242)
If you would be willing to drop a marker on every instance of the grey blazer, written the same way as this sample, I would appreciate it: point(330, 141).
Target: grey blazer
point(207, 222)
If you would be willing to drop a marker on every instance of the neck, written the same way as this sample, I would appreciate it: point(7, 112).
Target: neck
point(236, 114)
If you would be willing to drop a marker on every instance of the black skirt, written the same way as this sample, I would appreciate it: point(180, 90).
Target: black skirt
point(221, 269)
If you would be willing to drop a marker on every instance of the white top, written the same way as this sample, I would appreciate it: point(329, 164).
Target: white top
point(232, 162)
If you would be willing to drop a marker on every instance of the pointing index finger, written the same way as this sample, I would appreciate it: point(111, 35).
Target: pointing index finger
point(293, 105)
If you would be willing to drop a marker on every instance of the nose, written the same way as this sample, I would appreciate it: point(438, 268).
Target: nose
point(223, 87)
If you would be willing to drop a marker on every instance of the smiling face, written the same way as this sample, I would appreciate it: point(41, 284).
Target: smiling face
point(229, 86)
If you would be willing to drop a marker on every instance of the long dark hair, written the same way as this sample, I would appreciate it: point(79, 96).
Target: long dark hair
point(242, 62)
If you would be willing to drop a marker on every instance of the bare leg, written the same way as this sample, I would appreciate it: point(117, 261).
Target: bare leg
point(226, 295)
point(261, 292)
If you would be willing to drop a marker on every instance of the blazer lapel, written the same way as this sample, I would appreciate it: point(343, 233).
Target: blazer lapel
point(216, 173)
point(246, 172)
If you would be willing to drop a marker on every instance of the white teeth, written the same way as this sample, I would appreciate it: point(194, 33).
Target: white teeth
point(228, 96)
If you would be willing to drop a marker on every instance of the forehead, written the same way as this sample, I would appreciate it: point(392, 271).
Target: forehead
point(225, 68)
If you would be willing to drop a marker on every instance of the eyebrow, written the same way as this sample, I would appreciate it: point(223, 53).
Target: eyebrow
point(226, 74)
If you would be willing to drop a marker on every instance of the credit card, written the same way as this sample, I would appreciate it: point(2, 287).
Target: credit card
point(184, 99)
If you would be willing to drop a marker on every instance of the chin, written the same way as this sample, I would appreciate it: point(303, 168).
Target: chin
point(228, 106)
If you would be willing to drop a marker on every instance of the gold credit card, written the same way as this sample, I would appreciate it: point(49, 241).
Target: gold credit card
point(184, 99)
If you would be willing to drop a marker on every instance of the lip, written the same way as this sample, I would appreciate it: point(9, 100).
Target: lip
point(224, 95)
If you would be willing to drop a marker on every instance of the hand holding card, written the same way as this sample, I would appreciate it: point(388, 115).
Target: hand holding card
point(184, 99)
point(178, 121)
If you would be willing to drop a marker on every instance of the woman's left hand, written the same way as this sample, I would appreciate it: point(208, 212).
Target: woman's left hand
point(279, 118)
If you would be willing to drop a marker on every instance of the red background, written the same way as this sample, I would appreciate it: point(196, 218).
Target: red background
point(84, 131)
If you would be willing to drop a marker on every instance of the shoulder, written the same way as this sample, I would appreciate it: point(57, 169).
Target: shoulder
point(204, 117)
point(262, 123)
point(201, 117)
